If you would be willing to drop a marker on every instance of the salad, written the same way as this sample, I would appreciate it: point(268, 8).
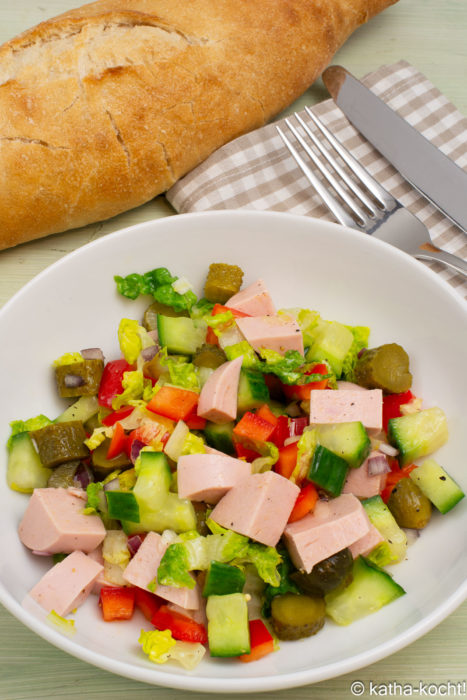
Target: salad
point(239, 476)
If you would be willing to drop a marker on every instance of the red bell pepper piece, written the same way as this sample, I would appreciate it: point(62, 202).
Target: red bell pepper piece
point(281, 431)
point(221, 309)
point(245, 453)
point(261, 642)
point(301, 392)
point(118, 442)
point(111, 381)
point(147, 602)
point(392, 406)
point(253, 427)
point(394, 476)
point(265, 412)
point(305, 503)
point(112, 418)
point(195, 422)
point(117, 603)
point(297, 426)
point(174, 402)
point(211, 337)
point(182, 627)
point(287, 460)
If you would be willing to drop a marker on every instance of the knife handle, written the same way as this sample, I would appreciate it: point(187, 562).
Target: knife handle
point(448, 259)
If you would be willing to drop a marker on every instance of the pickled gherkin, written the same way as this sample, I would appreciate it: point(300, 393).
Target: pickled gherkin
point(210, 356)
point(63, 475)
point(409, 506)
point(223, 281)
point(79, 378)
point(102, 465)
point(326, 575)
point(60, 442)
point(385, 367)
point(296, 616)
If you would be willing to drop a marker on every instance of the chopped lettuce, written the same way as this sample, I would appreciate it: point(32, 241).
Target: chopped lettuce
point(134, 385)
point(96, 438)
point(306, 446)
point(306, 319)
point(96, 498)
point(67, 627)
point(201, 309)
point(194, 444)
point(250, 359)
point(133, 338)
point(269, 455)
point(161, 647)
point(159, 283)
point(220, 322)
point(24, 426)
point(265, 559)
point(361, 335)
point(183, 374)
point(68, 358)
point(284, 585)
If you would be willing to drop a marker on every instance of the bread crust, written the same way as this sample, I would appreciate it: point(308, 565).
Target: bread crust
point(106, 106)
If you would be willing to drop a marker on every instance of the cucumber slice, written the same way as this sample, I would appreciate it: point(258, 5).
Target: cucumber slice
point(418, 434)
point(85, 408)
point(347, 440)
point(223, 579)
point(122, 505)
point(328, 470)
point(181, 335)
point(219, 436)
point(437, 485)
point(228, 629)
point(25, 471)
point(252, 390)
point(381, 517)
point(370, 590)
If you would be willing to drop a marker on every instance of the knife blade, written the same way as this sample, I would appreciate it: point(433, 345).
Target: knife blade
point(423, 165)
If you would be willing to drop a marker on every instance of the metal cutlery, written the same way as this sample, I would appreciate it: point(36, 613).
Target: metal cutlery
point(354, 197)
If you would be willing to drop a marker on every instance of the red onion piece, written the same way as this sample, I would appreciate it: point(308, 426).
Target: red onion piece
point(378, 465)
point(290, 440)
point(388, 449)
point(154, 335)
point(148, 353)
point(113, 485)
point(83, 476)
point(362, 351)
point(92, 354)
point(134, 543)
point(136, 448)
point(298, 425)
point(72, 381)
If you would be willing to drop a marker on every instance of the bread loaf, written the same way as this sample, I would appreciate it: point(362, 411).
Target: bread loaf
point(106, 106)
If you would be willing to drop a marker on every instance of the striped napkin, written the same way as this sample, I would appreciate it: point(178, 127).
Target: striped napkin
point(255, 171)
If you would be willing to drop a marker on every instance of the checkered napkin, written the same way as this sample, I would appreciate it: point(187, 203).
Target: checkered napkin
point(256, 171)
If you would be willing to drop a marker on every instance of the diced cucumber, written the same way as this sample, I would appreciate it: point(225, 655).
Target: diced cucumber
point(331, 342)
point(437, 485)
point(228, 629)
point(371, 588)
point(347, 440)
point(180, 335)
point(122, 505)
point(381, 517)
point(85, 408)
point(252, 390)
point(328, 470)
point(219, 436)
point(418, 434)
point(223, 579)
point(159, 509)
point(25, 471)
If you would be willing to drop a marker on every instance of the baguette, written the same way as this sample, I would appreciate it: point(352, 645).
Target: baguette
point(106, 106)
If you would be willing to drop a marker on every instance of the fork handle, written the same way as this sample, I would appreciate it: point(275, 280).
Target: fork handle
point(441, 256)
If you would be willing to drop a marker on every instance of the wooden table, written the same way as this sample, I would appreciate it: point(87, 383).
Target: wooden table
point(431, 34)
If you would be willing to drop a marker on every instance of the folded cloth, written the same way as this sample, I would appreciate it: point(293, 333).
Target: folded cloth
point(255, 171)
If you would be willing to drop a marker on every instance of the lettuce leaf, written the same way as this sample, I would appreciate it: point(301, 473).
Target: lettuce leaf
point(158, 283)
point(132, 339)
point(25, 426)
point(284, 585)
point(361, 335)
point(134, 384)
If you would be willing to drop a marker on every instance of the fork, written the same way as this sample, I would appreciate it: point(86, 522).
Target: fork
point(360, 202)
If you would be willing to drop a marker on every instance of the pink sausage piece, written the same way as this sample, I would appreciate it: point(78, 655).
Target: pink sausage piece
point(331, 406)
point(254, 300)
point(218, 397)
point(366, 543)
point(208, 477)
point(279, 333)
point(361, 483)
point(258, 507)
point(142, 569)
point(332, 526)
point(67, 584)
point(54, 522)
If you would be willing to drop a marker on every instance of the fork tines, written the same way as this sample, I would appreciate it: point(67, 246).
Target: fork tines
point(350, 203)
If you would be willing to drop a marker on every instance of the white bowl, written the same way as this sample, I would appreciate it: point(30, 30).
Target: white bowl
point(344, 275)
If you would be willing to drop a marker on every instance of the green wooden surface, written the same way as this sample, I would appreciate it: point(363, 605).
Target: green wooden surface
point(432, 35)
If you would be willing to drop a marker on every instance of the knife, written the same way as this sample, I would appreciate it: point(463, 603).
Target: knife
point(427, 169)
